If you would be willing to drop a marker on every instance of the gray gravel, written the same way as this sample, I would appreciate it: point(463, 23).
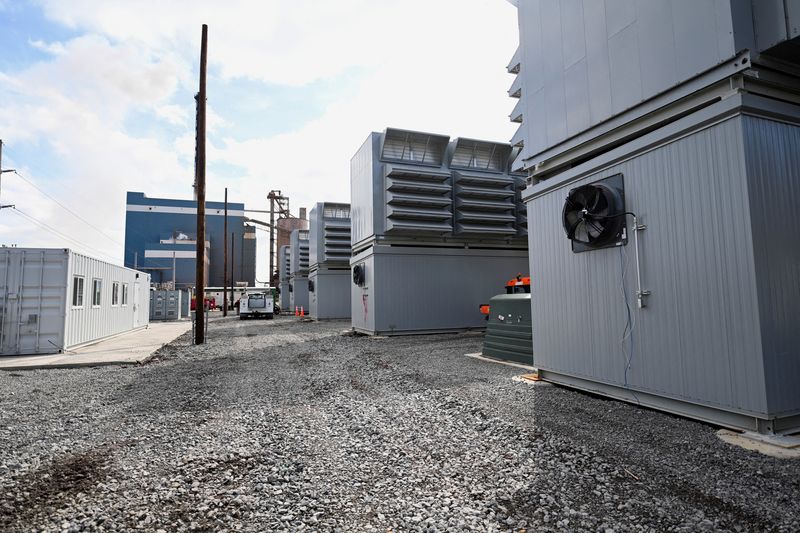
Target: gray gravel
point(288, 426)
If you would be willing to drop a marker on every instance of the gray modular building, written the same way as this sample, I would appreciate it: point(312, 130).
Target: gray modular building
point(437, 230)
point(298, 270)
point(54, 299)
point(329, 261)
point(284, 265)
point(662, 144)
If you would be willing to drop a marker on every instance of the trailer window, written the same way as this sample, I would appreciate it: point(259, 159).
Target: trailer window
point(115, 293)
point(77, 291)
point(97, 288)
point(124, 294)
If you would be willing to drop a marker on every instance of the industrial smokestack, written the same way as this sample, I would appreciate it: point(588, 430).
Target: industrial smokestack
point(302, 213)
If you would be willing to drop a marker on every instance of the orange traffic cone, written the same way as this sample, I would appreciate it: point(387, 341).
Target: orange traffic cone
point(296, 311)
point(302, 312)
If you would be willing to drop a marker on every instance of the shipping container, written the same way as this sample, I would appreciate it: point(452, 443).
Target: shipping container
point(52, 300)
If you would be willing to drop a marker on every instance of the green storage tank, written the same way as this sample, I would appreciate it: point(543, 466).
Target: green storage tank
point(509, 333)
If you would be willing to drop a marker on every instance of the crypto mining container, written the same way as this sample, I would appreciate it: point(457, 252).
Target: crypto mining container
point(435, 231)
point(329, 261)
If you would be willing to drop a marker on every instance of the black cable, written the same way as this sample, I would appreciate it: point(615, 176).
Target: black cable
point(60, 234)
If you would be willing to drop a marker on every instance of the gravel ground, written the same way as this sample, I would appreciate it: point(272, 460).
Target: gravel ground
point(288, 426)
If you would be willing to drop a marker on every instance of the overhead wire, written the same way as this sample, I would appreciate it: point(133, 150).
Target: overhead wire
point(67, 209)
point(59, 203)
point(58, 233)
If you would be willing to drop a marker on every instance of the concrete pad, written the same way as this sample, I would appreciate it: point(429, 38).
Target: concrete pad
point(780, 446)
point(128, 348)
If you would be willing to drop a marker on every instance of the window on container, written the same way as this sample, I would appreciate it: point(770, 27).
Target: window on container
point(124, 294)
point(97, 289)
point(115, 293)
point(77, 291)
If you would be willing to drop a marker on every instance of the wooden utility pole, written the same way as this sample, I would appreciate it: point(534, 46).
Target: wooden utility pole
point(200, 180)
point(225, 261)
point(233, 257)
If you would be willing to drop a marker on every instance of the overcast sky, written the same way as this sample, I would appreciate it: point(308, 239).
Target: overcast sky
point(96, 99)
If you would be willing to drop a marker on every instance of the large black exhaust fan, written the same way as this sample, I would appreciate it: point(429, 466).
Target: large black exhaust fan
point(594, 215)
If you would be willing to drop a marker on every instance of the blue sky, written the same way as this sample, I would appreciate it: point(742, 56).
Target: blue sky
point(97, 98)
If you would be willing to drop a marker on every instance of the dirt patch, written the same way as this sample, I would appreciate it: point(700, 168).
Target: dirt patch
point(53, 486)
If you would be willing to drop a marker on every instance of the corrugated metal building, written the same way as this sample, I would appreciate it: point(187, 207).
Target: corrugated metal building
point(298, 270)
point(437, 229)
point(329, 261)
point(160, 238)
point(55, 299)
point(691, 109)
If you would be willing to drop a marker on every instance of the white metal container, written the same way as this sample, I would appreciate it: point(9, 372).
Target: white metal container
point(55, 299)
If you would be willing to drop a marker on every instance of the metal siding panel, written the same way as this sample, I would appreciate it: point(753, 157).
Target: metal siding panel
point(451, 282)
point(576, 79)
point(658, 59)
point(92, 323)
point(298, 297)
point(792, 8)
point(535, 119)
point(331, 296)
point(698, 339)
point(773, 160)
point(362, 299)
point(769, 20)
point(619, 15)
point(363, 199)
point(554, 95)
point(696, 42)
point(597, 66)
point(33, 295)
point(626, 76)
point(572, 32)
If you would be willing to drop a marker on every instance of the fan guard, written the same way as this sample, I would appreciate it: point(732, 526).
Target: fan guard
point(359, 274)
point(594, 215)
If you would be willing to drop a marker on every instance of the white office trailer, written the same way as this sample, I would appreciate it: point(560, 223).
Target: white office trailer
point(298, 270)
point(53, 299)
point(329, 261)
point(437, 229)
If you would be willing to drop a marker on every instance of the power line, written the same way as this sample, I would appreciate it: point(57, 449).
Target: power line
point(60, 234)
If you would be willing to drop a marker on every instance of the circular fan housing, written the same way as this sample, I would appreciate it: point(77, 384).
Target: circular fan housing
point(593, 215)
point(359, 275)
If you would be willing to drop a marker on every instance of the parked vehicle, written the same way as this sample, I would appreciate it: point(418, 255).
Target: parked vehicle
point(210, 303)
point(256, 305)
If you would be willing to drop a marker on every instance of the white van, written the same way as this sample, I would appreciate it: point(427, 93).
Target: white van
point(256, 305)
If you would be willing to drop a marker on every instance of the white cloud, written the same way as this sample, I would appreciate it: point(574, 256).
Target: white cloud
point(431, 65)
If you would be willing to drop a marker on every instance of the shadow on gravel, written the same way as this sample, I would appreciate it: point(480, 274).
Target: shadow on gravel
point(52, 486)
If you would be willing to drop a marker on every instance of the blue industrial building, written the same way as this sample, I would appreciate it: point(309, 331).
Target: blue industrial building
point(161, 239)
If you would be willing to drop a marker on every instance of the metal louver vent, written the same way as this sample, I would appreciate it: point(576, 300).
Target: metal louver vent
point(337, 240)
point(485, 204)
point(522, 211)
point(414, 147)
point(418, 201)
point(470, 154)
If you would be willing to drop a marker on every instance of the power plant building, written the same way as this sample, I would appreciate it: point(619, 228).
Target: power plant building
point(160, 238)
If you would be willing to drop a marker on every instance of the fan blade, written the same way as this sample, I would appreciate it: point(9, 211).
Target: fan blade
point(582, 234)
point(593, 225)
point(572, 227)
point(596, 199)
